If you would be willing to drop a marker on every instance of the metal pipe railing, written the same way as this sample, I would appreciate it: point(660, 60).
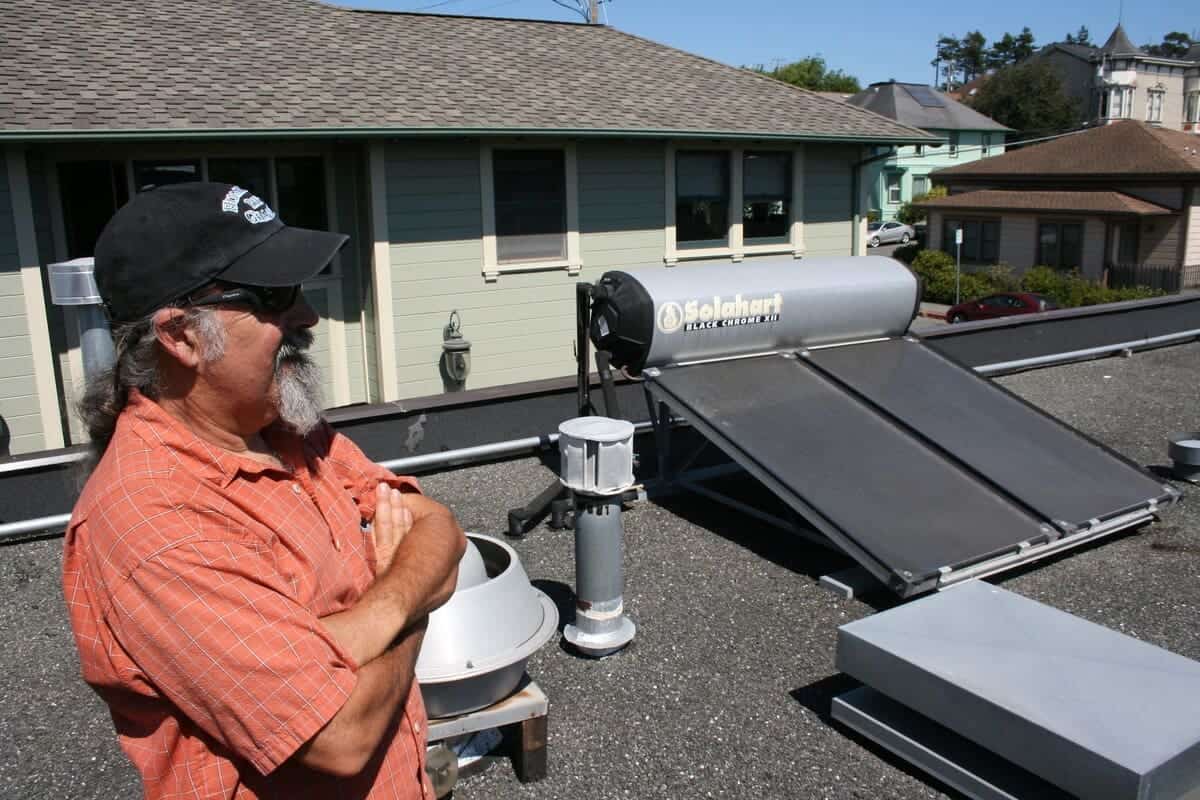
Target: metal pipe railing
point(15, 531)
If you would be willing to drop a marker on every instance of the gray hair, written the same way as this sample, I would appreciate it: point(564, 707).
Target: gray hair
point(136, 367)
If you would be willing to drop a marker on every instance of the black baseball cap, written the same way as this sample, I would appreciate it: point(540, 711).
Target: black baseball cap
point(168, 242)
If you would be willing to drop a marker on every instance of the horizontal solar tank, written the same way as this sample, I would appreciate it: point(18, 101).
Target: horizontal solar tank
point(655, 317)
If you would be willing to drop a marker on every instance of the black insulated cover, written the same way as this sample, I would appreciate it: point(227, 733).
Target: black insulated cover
point(622, 320)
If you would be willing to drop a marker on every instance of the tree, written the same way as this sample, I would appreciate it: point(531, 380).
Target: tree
point(972, 60)
point(1029, 98)
point(1082, 36)
point(1009, 49)
point(812, 73)
point(1174, 45)
point(1024, 45)
point(949, 54)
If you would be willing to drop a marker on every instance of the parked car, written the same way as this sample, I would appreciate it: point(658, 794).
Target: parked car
point(887, 232)
point(1004, 304)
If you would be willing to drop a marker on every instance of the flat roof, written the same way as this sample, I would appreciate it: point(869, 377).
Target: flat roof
point(726, 689)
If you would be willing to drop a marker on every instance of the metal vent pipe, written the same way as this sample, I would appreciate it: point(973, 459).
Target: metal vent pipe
point(597, 465)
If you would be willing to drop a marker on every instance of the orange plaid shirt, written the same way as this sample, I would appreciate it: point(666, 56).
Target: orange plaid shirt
point(195, 579)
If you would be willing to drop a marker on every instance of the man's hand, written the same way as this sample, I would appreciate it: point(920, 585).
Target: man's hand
point(442, 544)
point(392, 522)
point(420, 577)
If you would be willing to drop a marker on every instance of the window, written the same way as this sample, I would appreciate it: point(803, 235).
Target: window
point(954, 144)
point(920, 185)
point(1154, 105)
point(1060, 244)
point(1192, 108)
point(1120, 102)
point(893, 187)
point(248, 173)
point(1127, 247)
point(531, 205)
point(920, 150)
point(766, 195)
point(985, 141)
point(151, 174)
point(701, 197)
point(981, 239)
point(91, 193)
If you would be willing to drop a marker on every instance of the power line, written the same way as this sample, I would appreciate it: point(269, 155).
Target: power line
point(435, 5)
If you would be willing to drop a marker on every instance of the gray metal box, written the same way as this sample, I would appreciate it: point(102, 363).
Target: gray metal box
point(1095, 712)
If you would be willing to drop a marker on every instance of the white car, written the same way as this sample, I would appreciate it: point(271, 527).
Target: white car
point(887, 232)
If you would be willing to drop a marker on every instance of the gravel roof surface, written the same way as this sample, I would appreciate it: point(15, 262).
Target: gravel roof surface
point(726, 689)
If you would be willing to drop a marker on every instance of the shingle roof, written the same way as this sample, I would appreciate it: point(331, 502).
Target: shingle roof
point(1083, 51)
point(1125, 148)
point(1104, 202)
point(1118, 43)
point(270, 65)
point(893, 100)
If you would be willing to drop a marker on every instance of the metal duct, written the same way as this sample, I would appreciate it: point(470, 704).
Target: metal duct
point(477, 644)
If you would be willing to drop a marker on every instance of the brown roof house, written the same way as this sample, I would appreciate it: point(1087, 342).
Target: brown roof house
point(1121, 201)
point(480, 165)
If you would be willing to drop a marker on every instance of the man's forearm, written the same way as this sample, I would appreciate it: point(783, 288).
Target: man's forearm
point(413, 586)
point(348, 740)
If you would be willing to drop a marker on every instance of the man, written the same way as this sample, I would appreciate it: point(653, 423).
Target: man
point(253, 633)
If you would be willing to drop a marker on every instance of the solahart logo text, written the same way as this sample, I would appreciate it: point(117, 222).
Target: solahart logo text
point(719, 312)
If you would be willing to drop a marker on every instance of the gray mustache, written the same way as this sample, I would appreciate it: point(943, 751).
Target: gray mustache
point(293, 349)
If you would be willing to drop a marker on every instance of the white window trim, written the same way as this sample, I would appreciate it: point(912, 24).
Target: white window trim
point(1157, 93)
point(492, 268)
point(736, 248)
point(1191, 103)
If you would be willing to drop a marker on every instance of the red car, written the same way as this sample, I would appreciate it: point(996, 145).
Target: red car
point(1004, 304)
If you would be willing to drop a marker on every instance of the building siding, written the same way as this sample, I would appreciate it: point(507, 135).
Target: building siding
point(18, 388)
point(1160, 240)
point(828, 230)
point(1192, 246)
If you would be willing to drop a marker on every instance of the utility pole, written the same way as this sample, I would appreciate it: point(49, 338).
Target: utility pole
point(594, 12)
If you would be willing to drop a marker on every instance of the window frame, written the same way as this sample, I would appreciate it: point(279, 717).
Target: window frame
point(736, 247)
point(985, 144)
point(492, 268)
point(1154, 104)
point(888, 177)
point(789, 160)
point(953, 144)
point(729, 175)
point(1059, 225)
point(978, 257)
point(925, 182)
point(1191, 106)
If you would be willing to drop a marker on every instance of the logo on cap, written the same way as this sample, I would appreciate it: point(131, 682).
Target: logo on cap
point(257, 211)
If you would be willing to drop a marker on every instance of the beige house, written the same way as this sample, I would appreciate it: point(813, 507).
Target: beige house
point(1122, 199)
point(480, 165)
point(1121, 81)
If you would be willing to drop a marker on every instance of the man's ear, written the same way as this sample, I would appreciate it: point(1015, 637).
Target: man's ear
point(176, 337)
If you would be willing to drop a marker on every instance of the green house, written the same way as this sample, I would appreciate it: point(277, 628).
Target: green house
point(479, 165)
point(965, 135)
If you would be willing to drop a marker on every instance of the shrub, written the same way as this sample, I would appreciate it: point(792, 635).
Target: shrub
point(906, 252)
point(1069, 289)
point(910, 214)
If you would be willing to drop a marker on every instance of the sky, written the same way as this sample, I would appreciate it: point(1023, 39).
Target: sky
point(869, 39)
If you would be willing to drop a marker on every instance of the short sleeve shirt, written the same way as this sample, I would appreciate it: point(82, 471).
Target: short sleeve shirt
point(196, 578)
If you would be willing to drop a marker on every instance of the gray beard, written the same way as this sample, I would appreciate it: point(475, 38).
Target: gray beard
point(301, 400)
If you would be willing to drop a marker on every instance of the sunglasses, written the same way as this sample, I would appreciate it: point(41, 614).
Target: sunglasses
point(272, 299)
